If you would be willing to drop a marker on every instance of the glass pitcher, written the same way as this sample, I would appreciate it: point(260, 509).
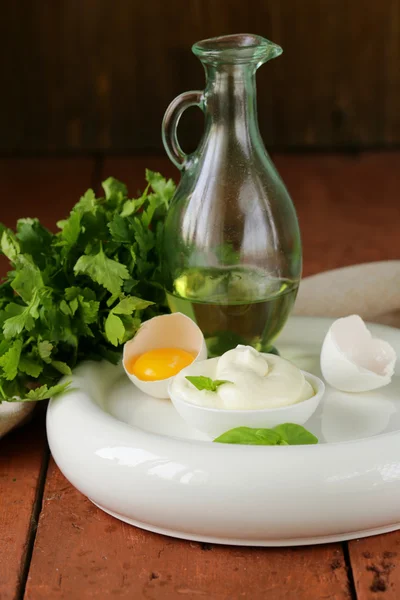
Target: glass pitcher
point(232, 251)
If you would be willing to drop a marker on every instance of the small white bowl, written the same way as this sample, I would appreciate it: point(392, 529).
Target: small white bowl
point(216, 421)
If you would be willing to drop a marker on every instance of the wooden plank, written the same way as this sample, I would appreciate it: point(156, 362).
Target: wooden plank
point(23, 458)
point(42, 187)
point(338, 82)
point(45, 188)
point(347, 206)
point(376, 566)
point(83, 553)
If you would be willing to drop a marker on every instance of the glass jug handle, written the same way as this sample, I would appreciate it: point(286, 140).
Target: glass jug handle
point(170, 125)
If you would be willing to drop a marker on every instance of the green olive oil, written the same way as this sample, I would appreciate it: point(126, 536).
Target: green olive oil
point(234, 306)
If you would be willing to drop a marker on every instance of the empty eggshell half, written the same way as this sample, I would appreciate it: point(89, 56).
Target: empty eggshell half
point(167, 331)
point(352, 360)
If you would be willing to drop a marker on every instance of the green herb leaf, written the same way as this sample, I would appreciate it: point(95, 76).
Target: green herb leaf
point(65, 309)
point(295, 435)
point(45, 349)
point(14, 325)
point(33, 237)
point(127, 305)
point(89, 310)
point(71, 229)
point(119, 229)
point(118, 330)
point(206, 383)
point(23, 318)
point(103, 270)
point(30, 367)
point(9, 245)
point(132, 206)
point(61, 367)
point(114, 188)
point(28, 278)
point(249, 436)
point(44, 392)
point(164, 189)
point(115, 329)
point(87, 203)
point(74, 305)
point(282, 435)
point(10, 360)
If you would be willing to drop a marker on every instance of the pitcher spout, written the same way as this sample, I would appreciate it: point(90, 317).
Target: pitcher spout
point(236, 48)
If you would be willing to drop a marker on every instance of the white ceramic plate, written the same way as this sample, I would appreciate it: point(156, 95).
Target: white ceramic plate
point(135, 458)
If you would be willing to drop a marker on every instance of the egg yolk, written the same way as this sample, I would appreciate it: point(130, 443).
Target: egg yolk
point(160, 363)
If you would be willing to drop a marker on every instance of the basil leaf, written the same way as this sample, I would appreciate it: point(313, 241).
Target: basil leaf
point(249, 436)
point(295, 435)
point(206, 383)
point(288, 434)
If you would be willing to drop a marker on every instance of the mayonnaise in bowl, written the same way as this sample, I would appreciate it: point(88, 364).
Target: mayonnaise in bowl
point(251, 389)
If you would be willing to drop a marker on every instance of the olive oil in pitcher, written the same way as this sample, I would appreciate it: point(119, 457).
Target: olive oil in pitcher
point(234, 306)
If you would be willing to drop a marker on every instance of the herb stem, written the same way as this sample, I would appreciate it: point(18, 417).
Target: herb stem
point(28, 341)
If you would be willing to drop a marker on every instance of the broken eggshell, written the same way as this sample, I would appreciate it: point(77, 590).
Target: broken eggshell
point(167, 331)
point(352, 360)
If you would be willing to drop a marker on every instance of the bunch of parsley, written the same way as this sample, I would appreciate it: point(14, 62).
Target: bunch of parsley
point(82, 292)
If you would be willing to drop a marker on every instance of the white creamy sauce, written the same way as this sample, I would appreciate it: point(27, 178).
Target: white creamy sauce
point(258, 381)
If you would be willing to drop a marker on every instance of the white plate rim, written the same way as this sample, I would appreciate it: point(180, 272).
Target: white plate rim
point(78, 429)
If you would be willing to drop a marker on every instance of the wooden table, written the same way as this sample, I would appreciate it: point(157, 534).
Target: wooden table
point(55, 544)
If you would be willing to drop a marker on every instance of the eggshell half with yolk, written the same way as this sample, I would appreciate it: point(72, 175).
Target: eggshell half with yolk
point(352, 360)
point(175, 331)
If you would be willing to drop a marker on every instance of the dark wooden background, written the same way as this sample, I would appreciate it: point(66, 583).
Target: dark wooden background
point(96, 75)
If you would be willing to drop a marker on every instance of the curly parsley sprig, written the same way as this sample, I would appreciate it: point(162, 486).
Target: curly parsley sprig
point(82, 292)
